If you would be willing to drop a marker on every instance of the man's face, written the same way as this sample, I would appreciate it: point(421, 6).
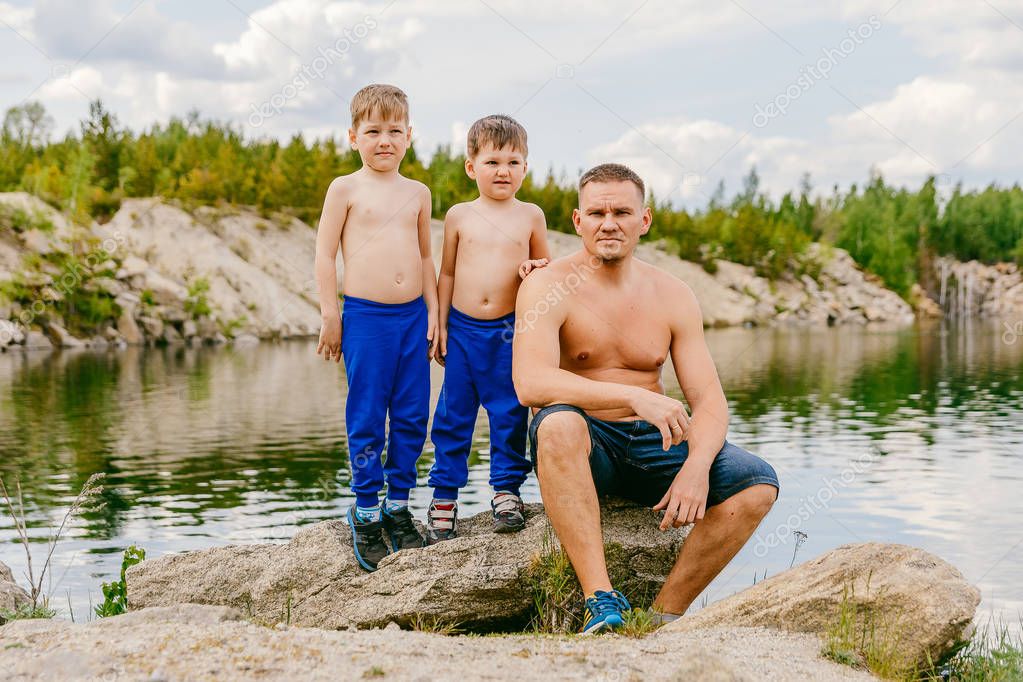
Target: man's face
point(611, 218)
point(497, 172)
point(381, 143)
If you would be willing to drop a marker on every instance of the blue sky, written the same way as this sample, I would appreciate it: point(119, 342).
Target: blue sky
point(689, 93)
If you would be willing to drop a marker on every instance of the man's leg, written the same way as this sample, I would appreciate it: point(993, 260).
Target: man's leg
point(712, 543)
point(569, 495)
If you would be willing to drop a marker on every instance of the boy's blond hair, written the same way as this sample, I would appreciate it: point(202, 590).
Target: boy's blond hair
point(385, 101)
point(498, 131)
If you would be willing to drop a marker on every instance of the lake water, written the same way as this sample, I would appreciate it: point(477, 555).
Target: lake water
point(912, 435)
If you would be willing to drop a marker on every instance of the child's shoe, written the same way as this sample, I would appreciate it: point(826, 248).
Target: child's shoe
point(441, 521)
point(401, 530)
point(605, 612)
point(367, 540)
point(509, 513)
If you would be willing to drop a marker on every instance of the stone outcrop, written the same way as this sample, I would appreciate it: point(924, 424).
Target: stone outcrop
point(215, 643)
point(735, 295)
point(973, 289)
point(165, 265)
point(913, 598)
point(11, 595)
point(480, 580)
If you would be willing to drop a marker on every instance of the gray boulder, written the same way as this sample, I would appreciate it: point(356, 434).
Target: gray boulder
point(480, 580)
point(11, 596)
point(909, 596)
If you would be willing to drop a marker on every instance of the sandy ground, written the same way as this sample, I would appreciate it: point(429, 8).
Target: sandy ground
point(208, 643)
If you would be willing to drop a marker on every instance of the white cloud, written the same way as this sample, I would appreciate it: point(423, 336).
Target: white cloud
point(18, 18)
point(81, 84)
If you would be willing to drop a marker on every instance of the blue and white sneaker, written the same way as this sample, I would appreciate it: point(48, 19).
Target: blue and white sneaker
point(605, 611)
point(367, 541)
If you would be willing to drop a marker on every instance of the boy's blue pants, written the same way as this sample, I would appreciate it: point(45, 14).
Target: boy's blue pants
point(384, 348)
point(478, 369)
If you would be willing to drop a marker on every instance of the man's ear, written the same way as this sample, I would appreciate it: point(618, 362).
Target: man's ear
point(577, 220)
point(470, 169)
point(351, 138)
point(648, 219)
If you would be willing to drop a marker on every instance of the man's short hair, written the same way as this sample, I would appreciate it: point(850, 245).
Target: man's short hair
point(612, 172)
point(385, 101)
point(498, 131)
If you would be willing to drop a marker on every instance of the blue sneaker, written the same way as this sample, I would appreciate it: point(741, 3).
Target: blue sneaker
point(604, 611)
point(367, 541)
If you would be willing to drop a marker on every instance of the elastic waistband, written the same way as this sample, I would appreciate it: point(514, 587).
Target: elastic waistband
point(460, 319)
point(353, 304)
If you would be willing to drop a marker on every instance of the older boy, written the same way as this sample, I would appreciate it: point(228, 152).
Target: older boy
point(489, 245)
point(381, 220)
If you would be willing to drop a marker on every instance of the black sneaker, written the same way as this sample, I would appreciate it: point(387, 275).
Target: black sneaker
point(401, 530)
point(509, 513)
point(367, 541)
point(441, 522)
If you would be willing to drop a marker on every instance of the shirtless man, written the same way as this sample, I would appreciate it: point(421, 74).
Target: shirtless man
point(489, 244)
point(381, 220)
point(590, 355)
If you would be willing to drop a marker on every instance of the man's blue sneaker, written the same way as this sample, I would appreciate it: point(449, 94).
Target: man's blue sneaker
point(400, 529)
point(605, 611)
point(367, 540)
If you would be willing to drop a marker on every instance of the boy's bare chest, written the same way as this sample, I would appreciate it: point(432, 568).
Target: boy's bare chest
point(383, 213)
point(493, 236)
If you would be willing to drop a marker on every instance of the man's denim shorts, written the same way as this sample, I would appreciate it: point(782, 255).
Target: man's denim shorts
point(628, 460)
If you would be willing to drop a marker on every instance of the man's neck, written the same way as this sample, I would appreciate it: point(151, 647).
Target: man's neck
point(613, 272)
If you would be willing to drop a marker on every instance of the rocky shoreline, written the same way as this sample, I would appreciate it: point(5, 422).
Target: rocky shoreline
point(303, 609)
point(158, 274)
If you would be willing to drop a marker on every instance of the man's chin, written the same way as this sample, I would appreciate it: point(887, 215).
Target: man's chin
point(610, 252)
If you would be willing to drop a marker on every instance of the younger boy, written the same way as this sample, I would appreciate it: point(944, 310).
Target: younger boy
point(381, 220)
point(489, 244)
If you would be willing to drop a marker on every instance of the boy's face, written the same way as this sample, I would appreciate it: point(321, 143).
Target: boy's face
point(497, 172)
point(381, 143)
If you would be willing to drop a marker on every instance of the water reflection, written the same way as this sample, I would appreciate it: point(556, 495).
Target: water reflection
point(211, 446)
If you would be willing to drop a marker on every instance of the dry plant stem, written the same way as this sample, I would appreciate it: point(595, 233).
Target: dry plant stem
point(89, 490)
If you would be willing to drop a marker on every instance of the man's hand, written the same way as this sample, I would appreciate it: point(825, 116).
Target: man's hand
point(530, 265)
point(686, 499)
point(667, 414)
point(441, 355)
point(330, 338)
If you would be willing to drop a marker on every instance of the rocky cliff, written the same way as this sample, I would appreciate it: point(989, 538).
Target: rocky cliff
point(158, 273)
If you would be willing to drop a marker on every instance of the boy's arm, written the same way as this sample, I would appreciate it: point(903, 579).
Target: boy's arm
point(328, 239)
point(446, 283)
point(538, 246)
point(429, 270)
point(539, 250)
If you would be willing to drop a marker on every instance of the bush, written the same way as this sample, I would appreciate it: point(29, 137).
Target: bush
point(115, 594)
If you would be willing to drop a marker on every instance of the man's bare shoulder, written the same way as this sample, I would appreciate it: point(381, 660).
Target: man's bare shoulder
point(671, 288)
point(538, 282)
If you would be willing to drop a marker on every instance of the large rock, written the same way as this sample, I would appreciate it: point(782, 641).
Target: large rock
point(480, 580)
point(62, 337)
point(918, 599)
point(11, 596)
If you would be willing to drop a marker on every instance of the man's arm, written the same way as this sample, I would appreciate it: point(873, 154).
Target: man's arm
point(328, 239)
point(686, 499)
point(429, 270)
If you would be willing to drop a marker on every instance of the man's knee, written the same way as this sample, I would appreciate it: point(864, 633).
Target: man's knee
point(756, 501)
point(562, 435)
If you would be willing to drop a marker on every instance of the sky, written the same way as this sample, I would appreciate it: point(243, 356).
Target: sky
point(688, 93)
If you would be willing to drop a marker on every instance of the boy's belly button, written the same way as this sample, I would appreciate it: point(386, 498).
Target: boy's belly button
point(398, 279)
